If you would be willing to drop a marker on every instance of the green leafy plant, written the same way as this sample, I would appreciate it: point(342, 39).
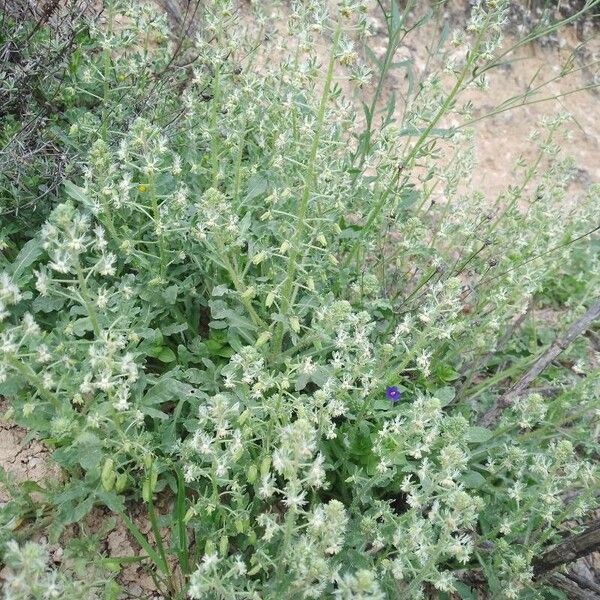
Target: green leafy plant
point(257, 314)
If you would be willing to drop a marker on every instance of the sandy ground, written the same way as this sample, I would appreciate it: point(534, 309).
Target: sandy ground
point(499, 141)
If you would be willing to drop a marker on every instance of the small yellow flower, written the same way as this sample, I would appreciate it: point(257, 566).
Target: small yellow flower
point(142, 188)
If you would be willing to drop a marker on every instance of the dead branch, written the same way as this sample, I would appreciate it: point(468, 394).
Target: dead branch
point(584, 583)
point(557, 346)
point(572, 589)
point(568, 550)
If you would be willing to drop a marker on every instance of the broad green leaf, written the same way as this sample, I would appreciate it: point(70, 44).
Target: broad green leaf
point(166, 389)
point(76, 193)
point(473, 480)
point(27, 256)
point(257, 185)
point(477, 435)
point(445, 394)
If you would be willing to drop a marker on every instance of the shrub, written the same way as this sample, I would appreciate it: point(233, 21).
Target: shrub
point(257, 311)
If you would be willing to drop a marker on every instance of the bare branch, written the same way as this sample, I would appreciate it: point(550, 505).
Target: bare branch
point(557, 346)
point(572, 589)
point(568, 550)
point(584, 583)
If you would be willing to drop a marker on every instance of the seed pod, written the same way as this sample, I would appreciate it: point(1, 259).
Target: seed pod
point(223, 545)
point(146, 490)
point(108, 475)
point(121, 482)
point(254, 570)
point(249, 293)
point(244, 417)
point(295, 324)
point(191, 512)
point(251, 474)
point(263, 338)
point(265, 466)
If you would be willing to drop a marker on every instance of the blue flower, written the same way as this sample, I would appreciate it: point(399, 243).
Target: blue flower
point(392, 393)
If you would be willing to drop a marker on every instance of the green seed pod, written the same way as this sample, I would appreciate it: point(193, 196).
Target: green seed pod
point(244, 417)
point(223, 545)
point(295, 324)
point(265, 466)
point(191, 512)
point(121, 482)
point(108, 475)
point(146, 490)
point(153, 478)
point(209, 547)
point(249, 293)
point(251, 474)
point(263, 338)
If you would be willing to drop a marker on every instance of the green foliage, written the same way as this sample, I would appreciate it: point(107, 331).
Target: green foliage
point(212, 313)
point(60, 89)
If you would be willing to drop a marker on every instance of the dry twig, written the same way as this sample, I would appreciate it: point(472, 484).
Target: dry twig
point(557, 346)
point(568, 550)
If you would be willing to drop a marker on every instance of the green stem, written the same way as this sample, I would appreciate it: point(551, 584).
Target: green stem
point(214, 138)
point(159, 543)
point(28, 373)
point(406, 163)
point(309, 180)
point(156, 215)
point(83, 290)
point(106, 73)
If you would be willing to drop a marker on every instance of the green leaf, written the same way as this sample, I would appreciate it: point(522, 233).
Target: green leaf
point(166, 355)
point(111, 499)
point(76, 193)
point(153, 412)
point(445, 394)
point(464, 591)
point(170, 294)
point(174, 329)
point(477, 435)
point(26, 257)
point(166, 389)
point(257, 185)
point(48, 304)
point(81, 326)
point(12, 385)
point(473, 480)
point(220, 290)
point(162, 353)
point(80, 511)
point(87, 450)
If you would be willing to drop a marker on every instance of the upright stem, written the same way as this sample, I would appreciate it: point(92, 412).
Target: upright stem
point(288, 283)
point(31, 376)
point(83, 289)
point(157, 221)
point(105, 75)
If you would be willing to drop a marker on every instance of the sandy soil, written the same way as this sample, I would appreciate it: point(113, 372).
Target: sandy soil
point(21, 458)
